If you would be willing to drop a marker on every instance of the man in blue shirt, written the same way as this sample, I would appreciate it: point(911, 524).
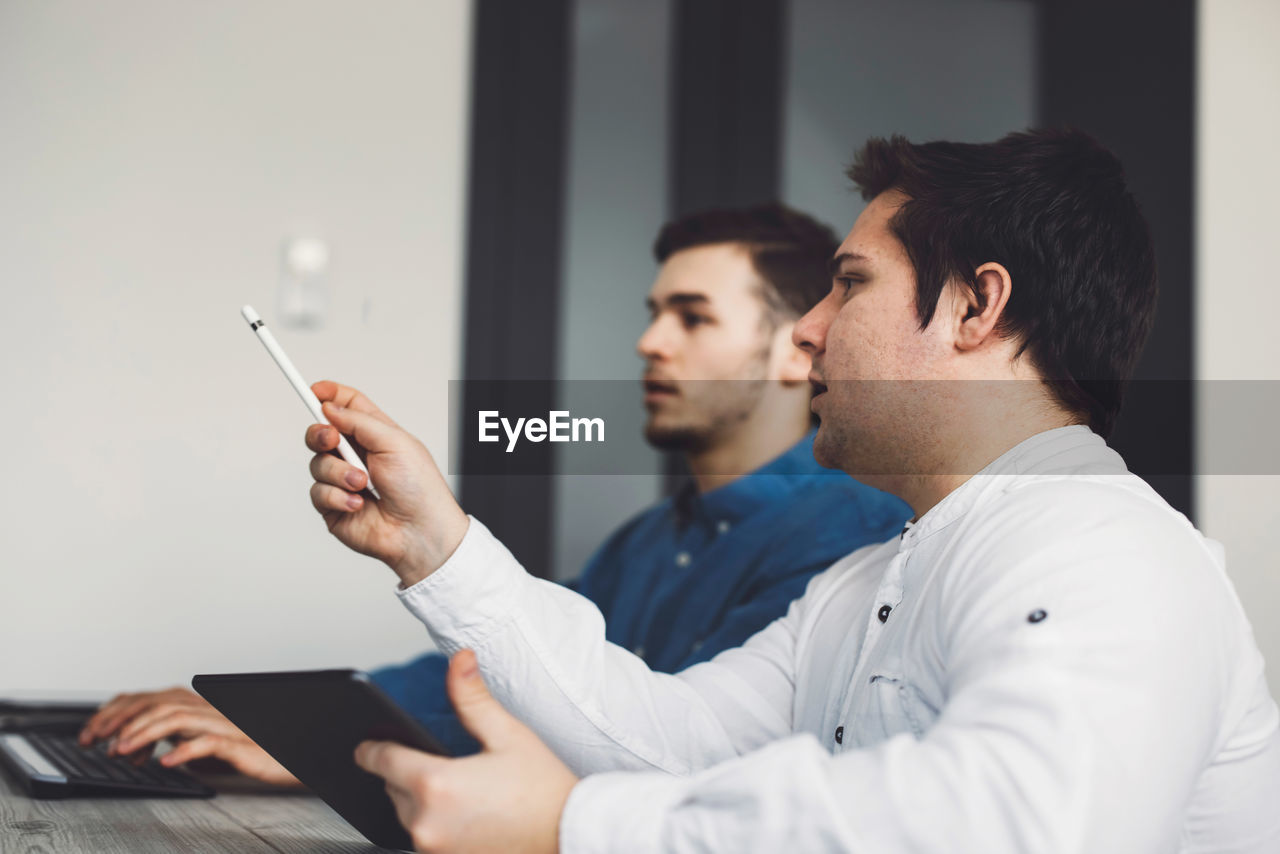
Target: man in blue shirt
point(699, 572)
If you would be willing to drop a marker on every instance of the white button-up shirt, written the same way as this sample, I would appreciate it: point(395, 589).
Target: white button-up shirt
point(1050, 660)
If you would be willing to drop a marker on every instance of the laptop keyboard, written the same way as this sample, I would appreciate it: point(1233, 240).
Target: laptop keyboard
point(91, 771)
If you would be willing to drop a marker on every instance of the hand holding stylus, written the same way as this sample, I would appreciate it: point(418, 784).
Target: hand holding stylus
point(416, 524)
point(282, 360)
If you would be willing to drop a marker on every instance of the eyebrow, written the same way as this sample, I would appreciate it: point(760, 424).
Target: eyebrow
point(677, 299)
point(834, 265)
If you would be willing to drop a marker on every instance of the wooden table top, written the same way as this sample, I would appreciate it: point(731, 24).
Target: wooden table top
point(244, 818)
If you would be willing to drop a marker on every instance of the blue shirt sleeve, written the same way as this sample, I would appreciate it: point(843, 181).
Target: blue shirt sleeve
point(417, 686)
point(744, 620)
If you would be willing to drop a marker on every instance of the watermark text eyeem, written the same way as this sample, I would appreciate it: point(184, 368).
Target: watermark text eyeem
point(558, 426)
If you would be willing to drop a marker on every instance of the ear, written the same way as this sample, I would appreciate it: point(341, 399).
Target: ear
point(793, 364)
point(978, 310)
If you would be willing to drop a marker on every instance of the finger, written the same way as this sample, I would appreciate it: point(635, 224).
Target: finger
point(327, 468)
point(479, 712)
point(321, 438)
point(328, 391)
point(123, 707)
point(116, 713)
point(244, 755)
point(105, 713)
point(175, 722)
point(250, 759)
point(395, 763)
point(146, 718)
point(373, 756)
point(88, 732)
point(126, 739)
point(171, 719)
point(373, 434)
point(199, 747)
point(330, 499)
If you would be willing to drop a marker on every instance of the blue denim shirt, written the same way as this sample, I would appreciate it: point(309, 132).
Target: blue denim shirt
point(699, 573)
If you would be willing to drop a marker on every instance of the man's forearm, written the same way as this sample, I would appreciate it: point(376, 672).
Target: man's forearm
point(543, 652)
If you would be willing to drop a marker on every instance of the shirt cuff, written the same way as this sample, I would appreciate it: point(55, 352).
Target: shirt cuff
point(473, 593)
point(618, 812)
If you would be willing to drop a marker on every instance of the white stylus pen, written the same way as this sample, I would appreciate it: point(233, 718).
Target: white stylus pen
point(304, 391)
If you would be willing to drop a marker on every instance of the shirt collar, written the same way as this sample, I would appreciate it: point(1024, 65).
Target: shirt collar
point(1063, 450)
point(766, 485)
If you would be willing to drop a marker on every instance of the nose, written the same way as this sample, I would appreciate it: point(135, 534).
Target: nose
point(810, 332)
point(654, 342)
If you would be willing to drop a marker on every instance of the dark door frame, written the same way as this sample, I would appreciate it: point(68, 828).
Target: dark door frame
point(1125, 72)
point(515, 222)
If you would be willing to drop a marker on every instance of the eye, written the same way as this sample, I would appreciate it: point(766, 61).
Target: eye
point(847, 283)
point(691, 320)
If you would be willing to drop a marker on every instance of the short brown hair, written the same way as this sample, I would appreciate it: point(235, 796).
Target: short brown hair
point(789, 250)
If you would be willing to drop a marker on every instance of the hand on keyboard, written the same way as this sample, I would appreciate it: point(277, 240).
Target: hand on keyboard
point(136, 722)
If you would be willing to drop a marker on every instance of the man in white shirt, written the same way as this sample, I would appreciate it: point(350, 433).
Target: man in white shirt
point(1048, 659)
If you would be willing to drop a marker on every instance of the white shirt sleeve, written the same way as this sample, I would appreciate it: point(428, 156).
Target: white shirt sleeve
point(543, 653)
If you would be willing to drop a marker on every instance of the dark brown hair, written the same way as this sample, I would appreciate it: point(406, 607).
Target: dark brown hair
point(1053, 208)
point(788, 249)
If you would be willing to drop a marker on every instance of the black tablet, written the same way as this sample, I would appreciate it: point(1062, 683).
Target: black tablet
point(311, 722)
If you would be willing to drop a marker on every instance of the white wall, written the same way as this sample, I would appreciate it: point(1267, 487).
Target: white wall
point(154, 517)
point(1238, 300)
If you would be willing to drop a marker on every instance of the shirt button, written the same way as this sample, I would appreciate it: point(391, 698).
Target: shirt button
point(697, 645)
point(683, 559)
point(884, 613)
point(639, 650)
point(839, 735)
point(723, 526)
